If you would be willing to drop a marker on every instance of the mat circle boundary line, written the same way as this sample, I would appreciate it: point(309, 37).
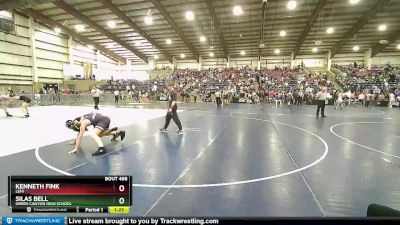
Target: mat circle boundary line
point(326, 150)
point(358, 144)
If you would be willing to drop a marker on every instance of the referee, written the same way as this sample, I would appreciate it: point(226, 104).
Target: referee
point(218, 97)
point(96, 97)
point(321, 97)
point(116, 96)
point(172, 111)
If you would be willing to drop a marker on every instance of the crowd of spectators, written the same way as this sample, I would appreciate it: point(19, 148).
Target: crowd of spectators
point(135, 90)
point(375, 86)
point(381, 85)
point(358, 77)
point(244, 85)
point(248, 85)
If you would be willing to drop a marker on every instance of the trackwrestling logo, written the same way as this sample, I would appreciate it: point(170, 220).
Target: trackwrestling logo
point(33, 220)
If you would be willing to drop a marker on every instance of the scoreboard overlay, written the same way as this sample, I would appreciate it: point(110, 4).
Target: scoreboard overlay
point(85, 194)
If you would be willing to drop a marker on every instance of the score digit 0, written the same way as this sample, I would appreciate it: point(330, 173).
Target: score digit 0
point(121, 188)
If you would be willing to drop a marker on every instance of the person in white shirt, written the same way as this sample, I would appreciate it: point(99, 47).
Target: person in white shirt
point(300, 97)
point(391, 99)
point(339, 101)
point(349, 97)
point(226, 97)
point(154, 88)
point(122, 94)
point(321, 98)
point(218, 97)
point(96, 97)
point(116, 96)
point(290, 98)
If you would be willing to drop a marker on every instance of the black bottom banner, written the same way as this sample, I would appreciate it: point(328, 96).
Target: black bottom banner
point(230, 221)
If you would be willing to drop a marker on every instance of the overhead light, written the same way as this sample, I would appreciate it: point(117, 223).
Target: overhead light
point(189, 15)
point(148, 20)
point(242, 53)
point(356, 48)
point(353, 1)
point(90, 46)
point(277, 51)
point(315, 50)
point(384, 42)
point(138, 43)
point(211, 54)
point(57, 30)
point(382, 27)
point(168, 41)
point(79, 27)
point(237, 10)
point(398, 46)
point(203, 39)
point(183, 56)
point(282, 33)
point(156, 57)
point(291, 5)
point(330, 30)
point(111, 24)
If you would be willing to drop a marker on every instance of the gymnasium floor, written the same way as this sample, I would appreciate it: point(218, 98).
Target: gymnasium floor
point(233, 161)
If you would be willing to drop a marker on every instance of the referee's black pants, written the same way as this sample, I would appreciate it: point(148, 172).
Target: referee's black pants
point(300, 101)
point(173, 115)
point(116, 99)
point(218, 100)
point(321, 106)
point(96, 102)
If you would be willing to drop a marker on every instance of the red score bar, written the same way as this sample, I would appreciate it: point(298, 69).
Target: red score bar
point(83, 189)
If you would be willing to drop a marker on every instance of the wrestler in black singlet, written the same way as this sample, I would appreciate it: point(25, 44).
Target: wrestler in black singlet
point(98, 120)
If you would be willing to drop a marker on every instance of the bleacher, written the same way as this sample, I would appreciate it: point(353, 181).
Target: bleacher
point(243, 81)
point(376, 79)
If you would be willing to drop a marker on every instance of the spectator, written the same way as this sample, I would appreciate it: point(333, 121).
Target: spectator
point(391, 99)
point(339, 100)
point(361, 98)
point(368, 98)
point(278, 100)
